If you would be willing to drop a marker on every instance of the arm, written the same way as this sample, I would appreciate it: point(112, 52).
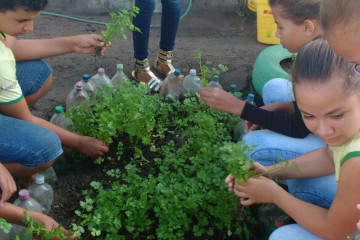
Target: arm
point(15, 214)
point(288, 124)
point(336, 223)
point(84, 144)
point(7, 185)
point(29, 49)
point(316, 163)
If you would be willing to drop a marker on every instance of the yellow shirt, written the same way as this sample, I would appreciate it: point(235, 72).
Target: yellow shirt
point(342, 153)
point(10, 91)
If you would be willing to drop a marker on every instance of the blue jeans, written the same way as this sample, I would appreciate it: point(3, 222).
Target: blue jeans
point(32, 75)
point(27, 144)
point(170, 18)
point(292, 232)
point(271, 147)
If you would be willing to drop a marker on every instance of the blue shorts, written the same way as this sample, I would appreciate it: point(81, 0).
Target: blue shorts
point(32, 75)
point(26, 143)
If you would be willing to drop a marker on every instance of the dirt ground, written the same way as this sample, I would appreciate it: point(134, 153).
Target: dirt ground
point(223, 37)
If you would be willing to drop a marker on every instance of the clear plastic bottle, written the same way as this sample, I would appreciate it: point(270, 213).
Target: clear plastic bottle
point(100, 79)
point(172, 85)
point(59, 119)
point(50, 175)
point(24, 201)
point(271, 217)
point(120, 79)
point(215, 82)
point(88, 85)
point(192, 82)
point(42, 192)
point(5, 236)
point(77, 96)
point(239, 130)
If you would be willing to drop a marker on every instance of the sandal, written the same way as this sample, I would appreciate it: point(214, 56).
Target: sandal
point(164, 57)
point(143, 66)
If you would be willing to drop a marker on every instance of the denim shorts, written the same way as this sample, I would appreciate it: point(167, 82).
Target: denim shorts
point(26, 143)
point(32, 75)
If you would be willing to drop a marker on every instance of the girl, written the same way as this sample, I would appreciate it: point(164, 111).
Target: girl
point(326, 88)
point(285, 136)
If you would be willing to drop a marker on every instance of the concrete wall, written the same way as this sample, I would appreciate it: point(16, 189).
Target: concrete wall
point(88, 7)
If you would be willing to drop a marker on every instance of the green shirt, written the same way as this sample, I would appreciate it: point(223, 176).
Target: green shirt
point(342, 153)
point(10, 91)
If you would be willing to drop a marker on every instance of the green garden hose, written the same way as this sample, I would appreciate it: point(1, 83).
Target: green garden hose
point(102, 23)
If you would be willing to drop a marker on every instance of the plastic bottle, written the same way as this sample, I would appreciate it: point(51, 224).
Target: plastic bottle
point(271, 217)
point(215, 82)
point(5, 236)
point(239, 130)
point(88, 85)
point(50, 175)
point(172, 85)
point(42, 192)
point(192, 82)
point(120, 79)
point(100, 79)
point(77, 96)
point(59, 119)
point(233, 91)
point(24, 201)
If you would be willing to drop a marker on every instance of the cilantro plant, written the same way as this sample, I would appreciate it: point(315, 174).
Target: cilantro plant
point(166, 173)
point(206, 71)
point(119, 23)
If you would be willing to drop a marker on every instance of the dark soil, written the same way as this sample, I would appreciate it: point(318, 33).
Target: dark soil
point(223, 37)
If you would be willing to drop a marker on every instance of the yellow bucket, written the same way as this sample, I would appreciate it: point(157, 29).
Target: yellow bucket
point(266, 26)
point(251, 4)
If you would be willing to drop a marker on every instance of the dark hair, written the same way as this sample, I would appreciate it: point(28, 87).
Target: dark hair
point(298, 10)
point(27, 5)
point(334, 12)
point(317, 63)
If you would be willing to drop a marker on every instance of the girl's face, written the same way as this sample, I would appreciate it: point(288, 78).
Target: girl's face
point(17, 22)
point(344, 40)
point(292, 36)
point(328, 111)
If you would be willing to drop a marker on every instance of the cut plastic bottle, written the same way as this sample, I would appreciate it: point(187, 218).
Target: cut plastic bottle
point(120, 79)
point(88, 86)
point(50, 175)
point(59, 118)
point(77, 96)
point(100, 79)
point(172, 85)
point(215, 82)
point(42, 192)
point(192, 82)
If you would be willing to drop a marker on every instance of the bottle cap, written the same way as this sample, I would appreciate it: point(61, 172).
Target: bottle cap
point(192, 72)
point(250, 96)
point(59, 109)
point(101, 71)
point(177, 72)
point(39, 179)
point(233, 87)
point(215, 78)
point(119, 66)
point(78, 86)
point(86, 77)
point(23, 194)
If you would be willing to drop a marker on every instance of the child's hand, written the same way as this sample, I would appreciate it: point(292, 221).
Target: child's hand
point(7, 185)
point(50, 224)
point(88, 43)
point(220, 100)
point(92, 146)
point(230, 181)
point(249, 126)
point(256, 190)
point(258, 168)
